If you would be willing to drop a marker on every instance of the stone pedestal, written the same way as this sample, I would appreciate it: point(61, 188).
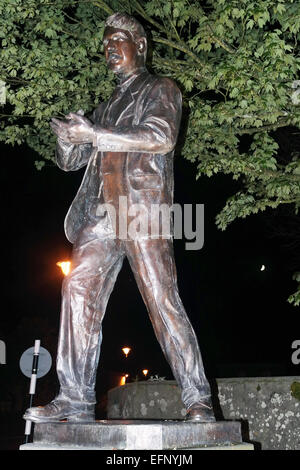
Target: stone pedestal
point(137, 435)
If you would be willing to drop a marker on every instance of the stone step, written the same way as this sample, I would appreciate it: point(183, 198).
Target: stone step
point(137, 435)
point(231, 446)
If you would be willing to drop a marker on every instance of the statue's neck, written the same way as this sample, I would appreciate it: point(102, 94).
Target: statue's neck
point(122, 78)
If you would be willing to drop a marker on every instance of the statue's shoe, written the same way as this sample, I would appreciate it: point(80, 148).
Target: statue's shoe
point(58, 410)
point(201, 412)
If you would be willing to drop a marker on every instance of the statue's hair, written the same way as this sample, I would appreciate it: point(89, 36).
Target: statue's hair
point(128, 23)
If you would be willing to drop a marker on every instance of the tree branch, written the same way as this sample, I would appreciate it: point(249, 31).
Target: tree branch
point(144, 15)
point(221, 43)
point(179, 48)
point(106, 8)
point(267, 127)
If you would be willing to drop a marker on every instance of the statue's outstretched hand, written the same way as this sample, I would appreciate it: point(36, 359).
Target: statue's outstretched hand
point(76, 129)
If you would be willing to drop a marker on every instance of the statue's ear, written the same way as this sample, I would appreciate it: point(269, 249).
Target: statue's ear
point(142, 44)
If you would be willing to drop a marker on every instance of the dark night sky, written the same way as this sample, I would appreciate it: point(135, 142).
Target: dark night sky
point(239, 313)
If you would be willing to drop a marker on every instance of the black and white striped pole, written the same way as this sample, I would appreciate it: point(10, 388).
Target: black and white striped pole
point(35, 363)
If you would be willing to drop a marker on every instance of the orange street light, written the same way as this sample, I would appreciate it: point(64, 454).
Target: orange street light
point(145, 372)
point(65, 266)
point(123, 379)
point(126, 351)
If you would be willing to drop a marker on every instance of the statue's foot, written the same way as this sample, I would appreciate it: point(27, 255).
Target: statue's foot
point(201, 412)
point(58, 410)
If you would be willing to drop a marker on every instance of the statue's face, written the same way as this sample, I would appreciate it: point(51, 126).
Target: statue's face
point(122, 54)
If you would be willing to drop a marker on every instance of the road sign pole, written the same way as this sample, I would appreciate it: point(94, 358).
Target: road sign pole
point(35, 362)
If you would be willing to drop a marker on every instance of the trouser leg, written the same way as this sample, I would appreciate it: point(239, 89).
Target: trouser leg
point(85, 293)
point(153, 264)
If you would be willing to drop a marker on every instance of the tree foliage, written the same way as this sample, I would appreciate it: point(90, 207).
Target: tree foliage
point(237, 62)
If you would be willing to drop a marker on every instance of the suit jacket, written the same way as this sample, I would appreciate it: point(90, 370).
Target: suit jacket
point(135, 160)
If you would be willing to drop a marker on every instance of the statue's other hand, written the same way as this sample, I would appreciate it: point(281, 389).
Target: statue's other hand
point(81, 132)
point(60, 129)
point(76, 129)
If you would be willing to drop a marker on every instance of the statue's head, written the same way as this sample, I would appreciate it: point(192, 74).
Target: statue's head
point(125, 44)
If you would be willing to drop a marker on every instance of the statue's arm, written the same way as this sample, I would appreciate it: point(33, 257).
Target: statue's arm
point(157, 130)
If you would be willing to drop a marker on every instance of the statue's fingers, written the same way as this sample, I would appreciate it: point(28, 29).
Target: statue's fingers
point(69, 116)
point(79, 119)
point(54, 124)
point(54, 128)
point(75, 116)
point(56, 120)
point(58, 132)
point(72, 115)
point(59, 123)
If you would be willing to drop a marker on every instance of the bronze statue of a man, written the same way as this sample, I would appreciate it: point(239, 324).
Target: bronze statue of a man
point(128, 147)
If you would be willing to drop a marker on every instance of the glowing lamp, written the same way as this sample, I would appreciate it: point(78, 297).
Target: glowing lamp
point(126, 351)
point(65, 266)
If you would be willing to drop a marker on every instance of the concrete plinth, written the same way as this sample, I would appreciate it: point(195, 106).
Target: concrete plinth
point(136, 435)
point(32, 446)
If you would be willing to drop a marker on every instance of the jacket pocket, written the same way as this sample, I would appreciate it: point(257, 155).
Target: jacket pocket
point(145, 181)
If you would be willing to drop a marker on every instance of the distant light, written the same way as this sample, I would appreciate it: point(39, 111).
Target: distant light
point(145, 372)
point(123, 379)
point(126, 351)
point(263, 267)
point(65, 266)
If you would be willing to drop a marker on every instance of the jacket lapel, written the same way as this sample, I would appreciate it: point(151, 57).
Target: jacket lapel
point(114, 116)
point(127, 106)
